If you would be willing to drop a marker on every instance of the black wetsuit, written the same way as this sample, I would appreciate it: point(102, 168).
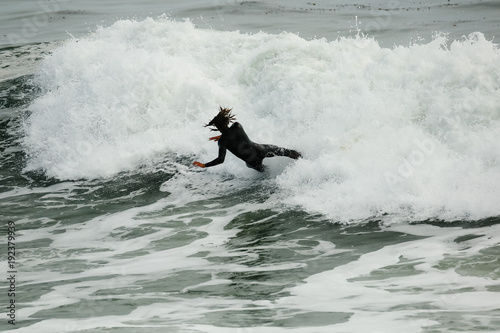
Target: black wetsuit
point(237, 142)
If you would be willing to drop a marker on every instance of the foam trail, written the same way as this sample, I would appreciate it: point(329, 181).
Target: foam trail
point(411, 132)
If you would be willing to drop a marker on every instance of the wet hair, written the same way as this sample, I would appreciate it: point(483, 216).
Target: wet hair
point(222, 119)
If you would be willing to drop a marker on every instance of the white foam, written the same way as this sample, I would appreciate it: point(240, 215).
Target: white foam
point(410, 131)
point(357, 288)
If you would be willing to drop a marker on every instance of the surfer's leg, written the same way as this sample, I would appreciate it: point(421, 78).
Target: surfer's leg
point(272, 150)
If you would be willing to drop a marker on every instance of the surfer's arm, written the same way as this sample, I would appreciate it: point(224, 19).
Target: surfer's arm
point(220, 159)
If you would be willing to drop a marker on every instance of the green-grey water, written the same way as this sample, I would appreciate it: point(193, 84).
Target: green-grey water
point(388, 224)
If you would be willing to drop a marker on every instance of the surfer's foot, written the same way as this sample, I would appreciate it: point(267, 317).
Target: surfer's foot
point(295, 155)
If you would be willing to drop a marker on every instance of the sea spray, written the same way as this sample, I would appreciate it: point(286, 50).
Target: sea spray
point(409, 132)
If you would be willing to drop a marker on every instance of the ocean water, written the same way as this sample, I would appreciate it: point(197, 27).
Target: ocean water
point(390, 222)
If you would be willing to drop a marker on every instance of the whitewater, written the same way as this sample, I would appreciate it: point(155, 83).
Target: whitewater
point(410, 132)
point(389, 223)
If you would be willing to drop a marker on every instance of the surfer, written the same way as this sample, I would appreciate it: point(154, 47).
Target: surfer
point(237, 142)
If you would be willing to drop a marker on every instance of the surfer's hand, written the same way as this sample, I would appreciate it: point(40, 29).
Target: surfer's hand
point(198, 164)
point(214, 138)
